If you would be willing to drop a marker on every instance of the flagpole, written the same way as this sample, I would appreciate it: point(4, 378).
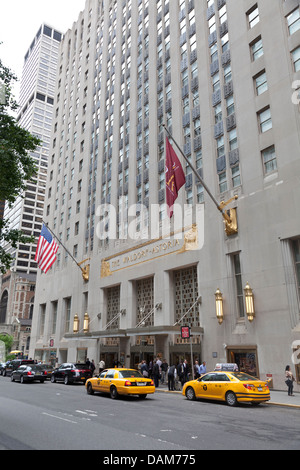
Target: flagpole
point(195, 171)
point(62, 245)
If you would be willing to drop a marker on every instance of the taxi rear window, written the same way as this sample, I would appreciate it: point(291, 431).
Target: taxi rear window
point(242, 376)
point(126, 374)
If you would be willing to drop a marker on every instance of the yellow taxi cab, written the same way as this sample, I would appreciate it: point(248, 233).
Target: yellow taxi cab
point(120, 381)
point(230, 386)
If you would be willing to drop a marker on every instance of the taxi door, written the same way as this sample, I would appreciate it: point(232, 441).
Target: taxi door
point(205, 386)
point(106, 381)
point(219, 386)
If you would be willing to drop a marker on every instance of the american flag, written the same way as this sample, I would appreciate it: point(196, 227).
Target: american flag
point(46, 250)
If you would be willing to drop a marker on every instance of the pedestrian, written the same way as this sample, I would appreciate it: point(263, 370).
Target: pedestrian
point(144, 368)
point(101, 366)
point(164, 369)
point(92, 367)
point(202, 368)
point(180, 372)
point(171, 377)
point(186, 371)
point(289, 380)
point(196, 370)
point(155, 373)
point(88, 362)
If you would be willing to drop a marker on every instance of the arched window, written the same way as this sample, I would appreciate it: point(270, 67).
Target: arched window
point(3, 307)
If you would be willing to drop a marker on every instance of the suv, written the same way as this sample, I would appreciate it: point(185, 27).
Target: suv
point(14, 364)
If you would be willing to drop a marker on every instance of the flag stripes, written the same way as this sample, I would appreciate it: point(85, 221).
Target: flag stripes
point(46, 250)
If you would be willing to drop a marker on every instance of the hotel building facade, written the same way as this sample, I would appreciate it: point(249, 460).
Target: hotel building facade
point(222, 76)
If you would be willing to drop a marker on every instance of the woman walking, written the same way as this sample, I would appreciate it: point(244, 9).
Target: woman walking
point(289, 380)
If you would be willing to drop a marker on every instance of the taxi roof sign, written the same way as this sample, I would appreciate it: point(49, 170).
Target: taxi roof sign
point(230, 367)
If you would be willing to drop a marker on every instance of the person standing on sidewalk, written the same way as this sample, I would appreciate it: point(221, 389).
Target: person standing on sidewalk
point(171, 377)
point(289, 380)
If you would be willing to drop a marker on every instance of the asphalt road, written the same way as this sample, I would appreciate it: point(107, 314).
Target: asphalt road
point(59, 417)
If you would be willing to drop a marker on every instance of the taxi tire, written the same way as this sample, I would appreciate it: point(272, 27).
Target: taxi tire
point(113, 392)
point(89, 389)
point(231, 399)
point(190, 393)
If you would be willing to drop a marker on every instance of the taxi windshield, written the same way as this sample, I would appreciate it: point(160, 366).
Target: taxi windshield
point(242, 376)
point(126, 374)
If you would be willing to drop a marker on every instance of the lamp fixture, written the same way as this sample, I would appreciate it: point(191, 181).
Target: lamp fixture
point(219, 306)
point(76, 324)
point(86, 323)
point(249, 300)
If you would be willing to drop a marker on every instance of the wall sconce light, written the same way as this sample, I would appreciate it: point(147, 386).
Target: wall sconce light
point(158, 306)
point(249, 299)
point(123, 311)
point(219, 306)
point(76, 324)
point(86, 323)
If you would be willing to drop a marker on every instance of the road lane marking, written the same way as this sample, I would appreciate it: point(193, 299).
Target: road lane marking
point(58, 417)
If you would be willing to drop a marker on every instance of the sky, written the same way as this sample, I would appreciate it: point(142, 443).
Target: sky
point(20, 21)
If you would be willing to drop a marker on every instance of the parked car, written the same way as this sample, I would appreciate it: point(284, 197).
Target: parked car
point(48, 368)
point(28, 373)
point(2, 366)
point(231, 387)
point(14, 364)
point(70, 373)
point(120, 382)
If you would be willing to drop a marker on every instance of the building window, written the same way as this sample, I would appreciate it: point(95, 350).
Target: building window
point(265, 121)
point(293, 21)
point(186, 295)
point(67, 314)
point(256, 49)
point(238, 285)
point(296, 252)
point(296, 59)
point(261, 84)
point(253, 17)
point(269, 160)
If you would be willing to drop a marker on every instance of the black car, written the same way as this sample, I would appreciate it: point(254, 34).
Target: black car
point(28, 373)
point(48, 368)
point(70, 373)
point(14, 364)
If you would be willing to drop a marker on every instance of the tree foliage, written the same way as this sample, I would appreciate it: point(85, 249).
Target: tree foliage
point(17, 167)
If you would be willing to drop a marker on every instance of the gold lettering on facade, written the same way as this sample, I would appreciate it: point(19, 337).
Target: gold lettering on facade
point(150, 251)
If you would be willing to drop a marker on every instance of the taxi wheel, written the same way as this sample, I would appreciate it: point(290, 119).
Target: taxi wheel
point(113, 392)
point(190, 393)
point(89, 389)
point(143, 396)
point(231, 399)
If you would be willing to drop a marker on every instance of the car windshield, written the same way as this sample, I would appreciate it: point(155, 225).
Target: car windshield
point(126, 374)
point(242, 376)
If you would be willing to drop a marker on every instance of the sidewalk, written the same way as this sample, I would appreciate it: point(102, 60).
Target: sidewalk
point(278, 397)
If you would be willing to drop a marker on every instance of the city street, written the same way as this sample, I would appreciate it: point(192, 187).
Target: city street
point(59, 417)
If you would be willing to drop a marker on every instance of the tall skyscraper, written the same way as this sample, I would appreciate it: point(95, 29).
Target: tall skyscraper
point(222, 77)
point(36, 102)
point(35, 115)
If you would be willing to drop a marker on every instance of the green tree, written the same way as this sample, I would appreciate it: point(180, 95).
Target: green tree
point(8, 341)
point(16, 164)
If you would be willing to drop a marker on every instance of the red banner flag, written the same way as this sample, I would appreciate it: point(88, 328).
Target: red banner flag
point(175, 177)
